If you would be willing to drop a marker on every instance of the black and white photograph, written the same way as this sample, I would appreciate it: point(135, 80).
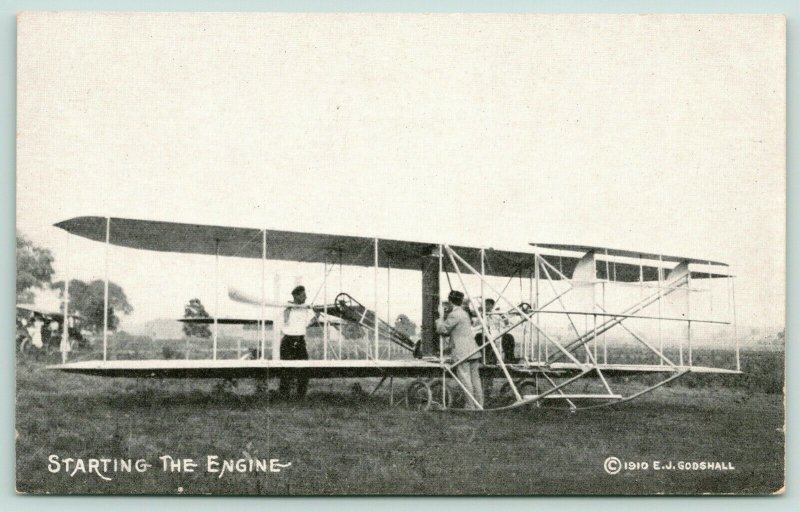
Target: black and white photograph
point(325, 254)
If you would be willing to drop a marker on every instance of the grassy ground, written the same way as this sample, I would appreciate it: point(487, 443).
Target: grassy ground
point(339, 443)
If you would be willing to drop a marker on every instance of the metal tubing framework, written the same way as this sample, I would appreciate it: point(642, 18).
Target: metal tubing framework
point(536, 361)
point(619, 319)
point(689, 315)
point(276, 294)
point(735, 328)
point(216, 299)
point(483, 300)
point(389, 346)
point(640, 339)
point(572, 405)
point(681, 281)
point(325, 309)
point(628, 398)
point(375, 288)
point(65, 348)
point(660, 297)
point(262, 319)
point(105, 292)
point(592, 359)
point(341, 285)
point(441, 268)
point(450, 254)
point(538, 336)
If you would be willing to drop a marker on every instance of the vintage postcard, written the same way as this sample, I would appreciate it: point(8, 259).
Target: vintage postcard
point(406, 254)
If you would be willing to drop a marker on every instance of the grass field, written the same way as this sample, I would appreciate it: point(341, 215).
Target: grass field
point(340, 443)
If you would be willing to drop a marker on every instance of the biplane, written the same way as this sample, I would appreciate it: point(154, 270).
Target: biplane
point(564, 308)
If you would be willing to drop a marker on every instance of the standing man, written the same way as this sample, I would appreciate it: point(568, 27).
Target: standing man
point(35, 330)
point(52, 334)
point(497, 323)
point(457, 325)
point(293, 344)
point(485, 312)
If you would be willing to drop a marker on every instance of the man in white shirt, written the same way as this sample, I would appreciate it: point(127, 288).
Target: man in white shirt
point(293, 342)
point(497, 323)
point(35, 331)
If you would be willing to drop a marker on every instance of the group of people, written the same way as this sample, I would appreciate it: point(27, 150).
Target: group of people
point(497, 323)
point(37, 331)
point(468, 350)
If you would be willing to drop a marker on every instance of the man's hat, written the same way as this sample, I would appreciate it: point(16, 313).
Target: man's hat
point(298, 290)
point(456, 297)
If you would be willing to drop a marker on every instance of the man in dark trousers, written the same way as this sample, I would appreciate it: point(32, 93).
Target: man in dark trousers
point(296, 318)
point(497, 323)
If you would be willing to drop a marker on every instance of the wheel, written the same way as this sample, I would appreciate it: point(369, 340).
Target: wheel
point(77, 343)
point(24, 344)
point(527, 387)
point(524, 387)
point(419, 396)
point(505, 396)
point(436, 395)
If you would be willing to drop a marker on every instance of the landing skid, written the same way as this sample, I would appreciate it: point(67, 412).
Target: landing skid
point(438, 394)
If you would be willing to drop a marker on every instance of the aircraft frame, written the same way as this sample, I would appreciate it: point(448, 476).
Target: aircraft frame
point(548, 366)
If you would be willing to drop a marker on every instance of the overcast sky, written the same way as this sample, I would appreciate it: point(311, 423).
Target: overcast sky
point(652, 133)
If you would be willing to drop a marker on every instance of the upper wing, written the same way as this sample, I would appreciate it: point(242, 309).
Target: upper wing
point(278, 245)
point(576, 262)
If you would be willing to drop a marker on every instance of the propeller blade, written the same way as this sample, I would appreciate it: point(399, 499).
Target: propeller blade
point(239, 296)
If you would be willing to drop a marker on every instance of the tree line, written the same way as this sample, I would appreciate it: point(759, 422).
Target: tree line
point(86, 299)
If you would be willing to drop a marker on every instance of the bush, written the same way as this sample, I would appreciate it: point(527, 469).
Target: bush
point(168, 352)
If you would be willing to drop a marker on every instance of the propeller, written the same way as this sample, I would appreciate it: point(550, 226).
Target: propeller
point(239, 296)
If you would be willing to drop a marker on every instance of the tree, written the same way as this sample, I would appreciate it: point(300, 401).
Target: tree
point(34, 268)
point(86, 299)
point(405, 326)
point(195, 309)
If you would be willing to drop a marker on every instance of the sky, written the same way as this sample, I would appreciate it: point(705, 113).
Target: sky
point(662, 134)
